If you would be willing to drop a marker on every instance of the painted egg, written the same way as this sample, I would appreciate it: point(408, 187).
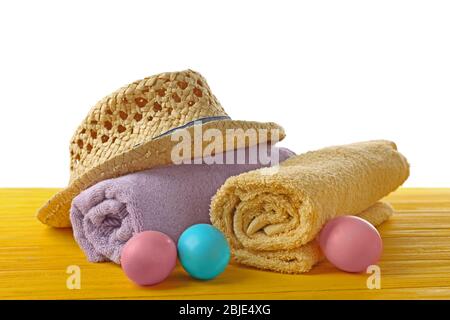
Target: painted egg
point(148, 257)
point(203, 251)
point(351, 243)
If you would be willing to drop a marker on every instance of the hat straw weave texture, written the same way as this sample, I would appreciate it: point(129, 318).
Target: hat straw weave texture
point(130, 130)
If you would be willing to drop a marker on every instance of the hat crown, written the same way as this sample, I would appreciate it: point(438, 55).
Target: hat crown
point(140, 112)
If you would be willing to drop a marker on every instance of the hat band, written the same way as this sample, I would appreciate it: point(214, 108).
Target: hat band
point(191, 123)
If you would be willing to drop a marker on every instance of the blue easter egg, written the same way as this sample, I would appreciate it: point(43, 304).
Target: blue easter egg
point(203, 251)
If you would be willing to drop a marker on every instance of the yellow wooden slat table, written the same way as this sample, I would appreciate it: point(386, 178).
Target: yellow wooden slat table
point(415, 263)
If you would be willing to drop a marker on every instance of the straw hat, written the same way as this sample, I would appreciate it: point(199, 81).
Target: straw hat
point(131, 130)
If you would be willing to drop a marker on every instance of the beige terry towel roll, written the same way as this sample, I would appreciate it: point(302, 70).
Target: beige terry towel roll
point(272, 215)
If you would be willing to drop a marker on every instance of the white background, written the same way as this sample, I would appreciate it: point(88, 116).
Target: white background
point(330, 72)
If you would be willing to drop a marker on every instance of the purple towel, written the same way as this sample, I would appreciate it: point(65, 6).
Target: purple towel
point(167, 199)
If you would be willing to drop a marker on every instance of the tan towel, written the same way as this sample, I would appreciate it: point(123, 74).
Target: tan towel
point(271, 216)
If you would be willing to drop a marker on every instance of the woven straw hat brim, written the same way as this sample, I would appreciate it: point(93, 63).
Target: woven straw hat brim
point(155, 152)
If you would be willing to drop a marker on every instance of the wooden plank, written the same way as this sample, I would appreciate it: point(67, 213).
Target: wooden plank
point(415, 263)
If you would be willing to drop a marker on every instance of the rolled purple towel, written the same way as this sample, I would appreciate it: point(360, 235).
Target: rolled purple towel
point(167, 199)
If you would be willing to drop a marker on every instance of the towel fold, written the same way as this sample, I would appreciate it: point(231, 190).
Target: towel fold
point(303, 258)
point(167, 199)
point(271, 216)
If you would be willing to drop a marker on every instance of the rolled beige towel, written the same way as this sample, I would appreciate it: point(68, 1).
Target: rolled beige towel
point(271, 216)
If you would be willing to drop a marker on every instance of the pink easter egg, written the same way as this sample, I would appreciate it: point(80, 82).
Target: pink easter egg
point(351, 243)
point(148, 257)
